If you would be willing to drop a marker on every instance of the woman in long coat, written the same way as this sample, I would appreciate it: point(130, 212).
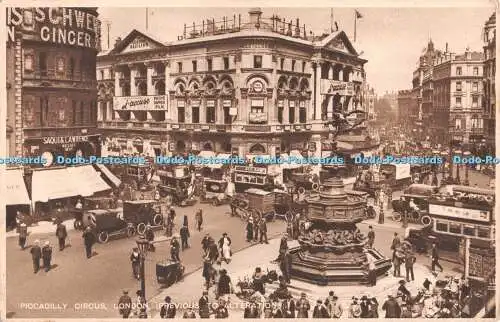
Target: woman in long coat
point(250, 229)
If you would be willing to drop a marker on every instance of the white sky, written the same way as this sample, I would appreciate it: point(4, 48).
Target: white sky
point(391, 38)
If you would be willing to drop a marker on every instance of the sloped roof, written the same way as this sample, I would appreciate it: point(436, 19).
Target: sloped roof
point(338, 35)
point(130, 37)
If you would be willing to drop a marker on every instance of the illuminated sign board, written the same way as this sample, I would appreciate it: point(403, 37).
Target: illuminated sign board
point(63, 26)
point(460, 213)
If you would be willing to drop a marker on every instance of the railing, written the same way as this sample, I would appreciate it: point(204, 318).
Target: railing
point(257, 128)
point(275, 24)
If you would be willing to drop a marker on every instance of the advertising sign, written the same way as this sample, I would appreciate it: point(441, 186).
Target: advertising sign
point(332, 87)
point(64, 26)
point(140, 103)
point(462, 213)
point(402, 171)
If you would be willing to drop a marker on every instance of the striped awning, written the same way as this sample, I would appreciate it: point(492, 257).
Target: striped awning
point(15, 192)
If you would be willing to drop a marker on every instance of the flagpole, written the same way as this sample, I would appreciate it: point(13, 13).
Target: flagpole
point(147, 16)
point(355, 23)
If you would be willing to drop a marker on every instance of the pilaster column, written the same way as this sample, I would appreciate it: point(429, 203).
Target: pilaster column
point(118, 89)
point(274, 85)
point(203, 110)
point(109, 113)
point(286, 111)
point(99, 110)
point(168, 86)
point(149, 79)
point(133, 73)
point(330, 72)
point(317, 98)
point(242, 116)
point(341, 74)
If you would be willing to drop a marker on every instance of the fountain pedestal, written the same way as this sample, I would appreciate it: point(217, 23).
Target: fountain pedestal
point(332, 248)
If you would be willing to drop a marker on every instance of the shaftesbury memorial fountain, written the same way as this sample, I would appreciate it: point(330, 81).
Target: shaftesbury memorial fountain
point(332, 247)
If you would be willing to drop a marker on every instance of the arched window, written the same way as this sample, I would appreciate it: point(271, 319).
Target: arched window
point(257, 149)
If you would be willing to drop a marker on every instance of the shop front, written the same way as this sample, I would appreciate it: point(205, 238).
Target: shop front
point(55, 190)
point(16, 196)
point(50, 147)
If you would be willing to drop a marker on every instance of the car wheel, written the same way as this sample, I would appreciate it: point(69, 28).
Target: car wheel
point(426, 220)
point(130, 231)
point(396, 216)
point(78, 225)
point(315, 186)
point(157, 220)
point(301, 190)
point(141, 228)
point(103, 237)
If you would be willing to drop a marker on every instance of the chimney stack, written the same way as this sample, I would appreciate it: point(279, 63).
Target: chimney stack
point(117, 41)
point(255, 14)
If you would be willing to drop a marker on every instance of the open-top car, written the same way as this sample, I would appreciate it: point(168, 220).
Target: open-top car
point(107, 223)
point(139, 213)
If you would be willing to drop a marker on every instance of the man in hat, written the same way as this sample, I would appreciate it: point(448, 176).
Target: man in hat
point(36, 254)
point(355, 308)
point(372, 269)
point(283, 247)
point(61, 234)
point(371, 237)
point(288, 307)
point(184, 233)
point(250, 231)
point(89, 240)
point(23, 235)
point(135, 259)
point(150, 236)
point(263, 230)
point(286, 265)
point(404, 291)
point(334, 308)
point(47, 255)
point(204, 306)
point(251, 310)
point(409, 261)
point(205, 242)
point(199, 219)
point(320, 311)
point(175, 249)
point(303, 306)
point(395, 242)
point(396, 261)
point(365, 307)
point(435, 259)
point(391, 308)
point(168, 310)
point(125, 305)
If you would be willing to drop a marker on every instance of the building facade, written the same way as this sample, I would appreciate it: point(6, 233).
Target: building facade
point(407, 108)
point(489, 71)
point(260, 86)
point(51, 84)
point(458, 94)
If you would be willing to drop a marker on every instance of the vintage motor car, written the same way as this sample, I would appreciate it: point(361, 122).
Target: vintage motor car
point(140, 213)
point(107, 223)
point(90, 204)
point(169, 272)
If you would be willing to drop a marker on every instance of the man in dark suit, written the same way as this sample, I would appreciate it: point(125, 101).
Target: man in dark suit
point(36, 254)
point(61, 234)
point(435, 259)
point(285, 265)
point(125, 305)
point(89, 240)
point(47, 255)
point(204, 306)
point(288, 308)
point(409, 261)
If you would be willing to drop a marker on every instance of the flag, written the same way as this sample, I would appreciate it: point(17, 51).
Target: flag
point(358, 14)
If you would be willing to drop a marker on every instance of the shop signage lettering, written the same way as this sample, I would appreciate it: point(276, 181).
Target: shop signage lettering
point(140, 103)
point(461, 213)
point(65, 26)
point(329, 86)
point(64, 139)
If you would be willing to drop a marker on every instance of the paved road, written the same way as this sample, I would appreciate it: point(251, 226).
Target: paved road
point(90, 288)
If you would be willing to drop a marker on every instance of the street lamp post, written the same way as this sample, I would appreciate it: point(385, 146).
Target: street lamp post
point(466, 181)
point(458, 153)
point(444, 154)
point(143, 246)
point(290, 188)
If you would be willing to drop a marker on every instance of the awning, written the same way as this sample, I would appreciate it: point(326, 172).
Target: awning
point(89, 181)
point(344, 145)
point(108, 174)
point(53, 184)
point(16, 193)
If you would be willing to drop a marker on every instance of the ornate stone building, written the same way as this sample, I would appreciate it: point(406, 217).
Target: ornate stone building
point(51, 87)
point(458, 98)
point(261, 86)
point(489, 81)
